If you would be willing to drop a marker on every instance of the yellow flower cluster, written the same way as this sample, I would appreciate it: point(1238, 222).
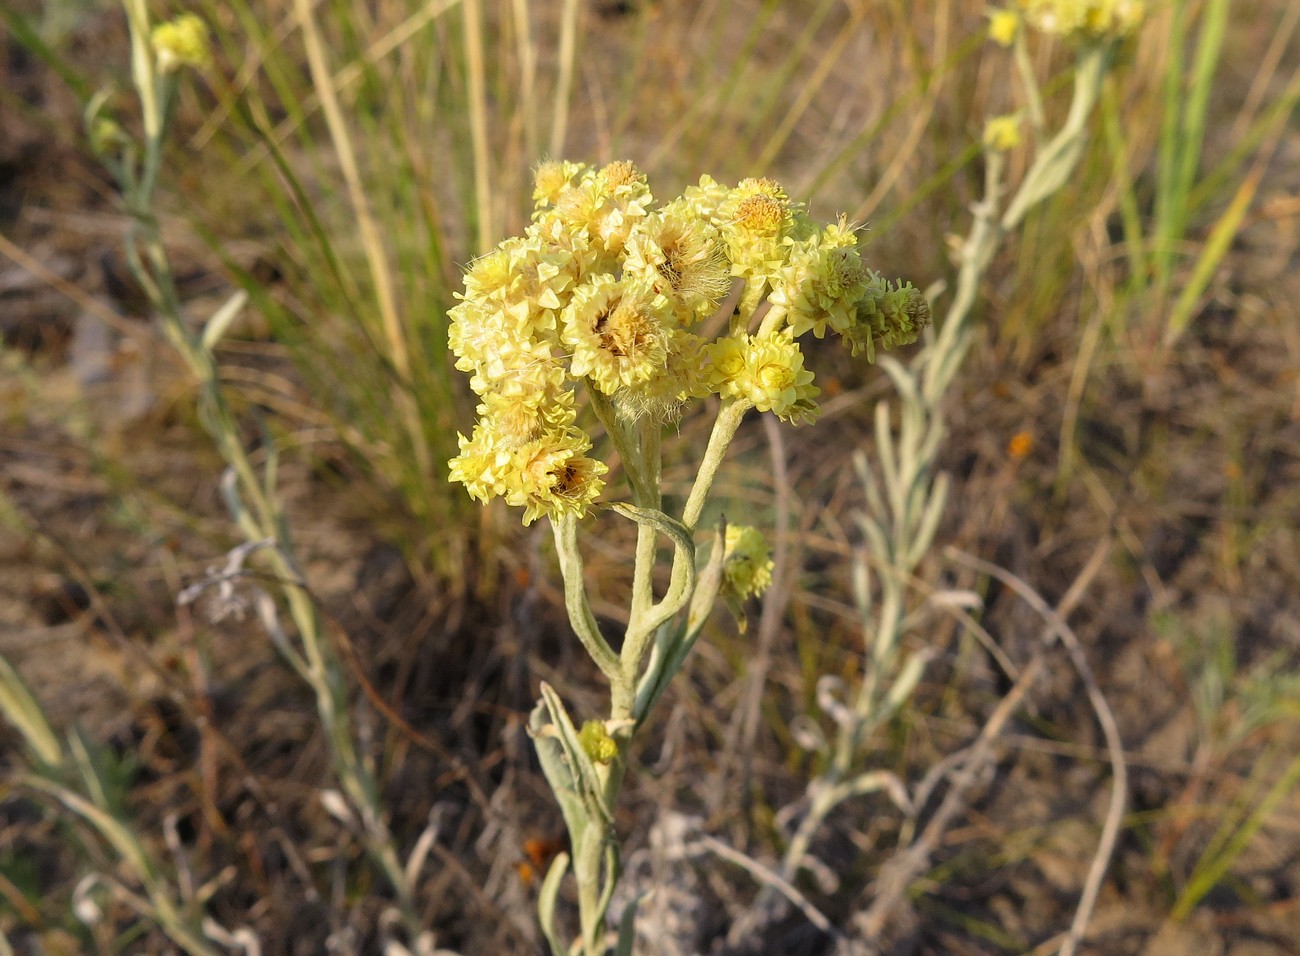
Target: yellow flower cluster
point(1073, 19)
point(609, 290)
point(181, 42)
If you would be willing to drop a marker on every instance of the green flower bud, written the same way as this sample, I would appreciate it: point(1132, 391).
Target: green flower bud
point(888, 316)
point(597, 743)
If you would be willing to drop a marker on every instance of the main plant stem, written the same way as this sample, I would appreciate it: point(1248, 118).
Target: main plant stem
point(591, 829)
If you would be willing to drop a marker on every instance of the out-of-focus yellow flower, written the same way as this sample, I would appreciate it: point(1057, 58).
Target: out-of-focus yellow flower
point(746, 562)
point(106, 134)
point(1084, 19)
point(181, 42)
point(746, 570)
point(1003, 25)
point(1002, 133)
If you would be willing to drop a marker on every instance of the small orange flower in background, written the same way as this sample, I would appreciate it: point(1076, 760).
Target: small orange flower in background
point(539, 852)
point(1021, 444)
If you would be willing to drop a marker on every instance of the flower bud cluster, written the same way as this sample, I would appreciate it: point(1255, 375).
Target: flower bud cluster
point(612, 291)
point(1072, 19)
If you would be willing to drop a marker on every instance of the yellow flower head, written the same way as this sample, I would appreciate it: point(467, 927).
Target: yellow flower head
point(483, 464)
point(501, 355)
point(551, 178)
point(605, 209)
point(706, 198)
point(181, 42)
point(822, 282)
point(553, 476)
point(755, 220)
point(680, 255)
point(760, 215)
point(596, 741)
point(575, 250)
point(1002, 133)
point(663, 397)
point(516, 420)
point(1003, 26)
point(746, 570)
point(523, 278)
point(623, 173)
point(762, 186)
point(618, 330)
point(767, 372)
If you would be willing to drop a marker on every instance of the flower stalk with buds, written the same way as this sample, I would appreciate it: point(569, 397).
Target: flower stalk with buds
point(905, 493)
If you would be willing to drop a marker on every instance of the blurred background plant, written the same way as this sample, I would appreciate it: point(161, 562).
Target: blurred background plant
point(1136, 339)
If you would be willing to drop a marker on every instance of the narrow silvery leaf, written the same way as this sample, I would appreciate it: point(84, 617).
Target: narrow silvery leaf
point(221, 319)
point(929, 522)
point(908, 677)
point(581, 767)
point(546, 898)
point(558, 770)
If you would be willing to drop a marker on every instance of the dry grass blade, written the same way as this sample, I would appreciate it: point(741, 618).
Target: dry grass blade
point(377, 258)
point(74, 292)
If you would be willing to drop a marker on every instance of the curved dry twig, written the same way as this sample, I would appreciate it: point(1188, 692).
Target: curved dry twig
point(1105, 718)
point(902, 870)
point(771, 878)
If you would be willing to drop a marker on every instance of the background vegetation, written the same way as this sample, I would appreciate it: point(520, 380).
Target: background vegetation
point(1124, 440)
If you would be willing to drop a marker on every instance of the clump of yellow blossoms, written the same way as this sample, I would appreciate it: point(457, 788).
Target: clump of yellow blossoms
point(651, 307)
point(181, 42)
point(1073, 19)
